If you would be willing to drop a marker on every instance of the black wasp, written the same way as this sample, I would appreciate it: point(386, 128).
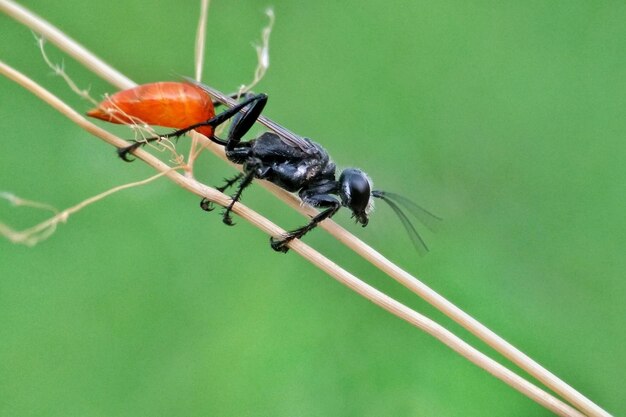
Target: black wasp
point(292, 162)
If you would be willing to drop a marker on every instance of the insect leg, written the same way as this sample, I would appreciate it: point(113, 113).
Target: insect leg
point(245, 182)
point(244, 121)
point(207, 205)
point(251, 107)
point(257, 103)
point(321, 200)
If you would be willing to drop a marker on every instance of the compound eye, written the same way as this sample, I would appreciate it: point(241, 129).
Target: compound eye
point(360, 193)
point(355, 192)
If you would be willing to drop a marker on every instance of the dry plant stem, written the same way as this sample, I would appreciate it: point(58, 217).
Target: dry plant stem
point(262, 52)
point(199, 60)
point(59, 71)
point(22, 202)
point(35, 234)
point(23, 237)
point(200, 40)
point(368, 253)
point(73, 48)
point(349, 280)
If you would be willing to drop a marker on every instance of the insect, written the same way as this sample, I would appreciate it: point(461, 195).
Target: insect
point(292, 162)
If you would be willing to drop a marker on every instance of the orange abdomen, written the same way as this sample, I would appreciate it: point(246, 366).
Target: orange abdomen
point(167, 104)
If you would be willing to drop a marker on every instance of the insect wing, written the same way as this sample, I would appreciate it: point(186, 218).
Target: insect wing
point(285, 135)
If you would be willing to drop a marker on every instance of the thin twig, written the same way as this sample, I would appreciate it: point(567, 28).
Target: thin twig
point(402, 276)
point(19, 237)
point(194, 150)
point(262, 53)
point(22, 202)
point(73, 48)
point(43, 230)
point(201, 39)
point(60, 72)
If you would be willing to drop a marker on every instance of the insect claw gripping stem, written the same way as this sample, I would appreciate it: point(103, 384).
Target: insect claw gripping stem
point(227, 219)
point(207, 205)
point(245, 182)
point(123, 152)
point(280, 245)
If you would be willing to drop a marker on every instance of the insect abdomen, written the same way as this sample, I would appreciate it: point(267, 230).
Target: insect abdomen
point(168, 104)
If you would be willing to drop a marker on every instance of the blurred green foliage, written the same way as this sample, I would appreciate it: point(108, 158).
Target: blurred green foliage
point(506, 118)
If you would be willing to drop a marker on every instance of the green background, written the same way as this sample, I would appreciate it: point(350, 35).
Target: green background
point(505, 118)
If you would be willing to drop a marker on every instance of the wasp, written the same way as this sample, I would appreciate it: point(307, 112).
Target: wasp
point(292, 162)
